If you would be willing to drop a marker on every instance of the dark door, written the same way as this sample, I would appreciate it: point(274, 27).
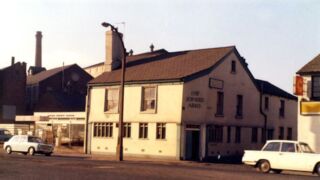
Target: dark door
point(192, 145)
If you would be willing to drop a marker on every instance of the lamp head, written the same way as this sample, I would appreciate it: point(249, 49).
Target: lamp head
point(104, 24)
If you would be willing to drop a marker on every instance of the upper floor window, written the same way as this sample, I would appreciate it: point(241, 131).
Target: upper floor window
point(111, 100)
point(315, 95)
point(148, 101)
point(282, 108)
point(266, 103)
point(220, 99)
point(239, 108)
point(233, 66)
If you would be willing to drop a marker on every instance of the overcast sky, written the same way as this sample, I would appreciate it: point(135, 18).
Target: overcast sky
point(276, 37)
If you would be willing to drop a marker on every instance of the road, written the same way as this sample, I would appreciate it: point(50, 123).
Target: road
point(18, 166)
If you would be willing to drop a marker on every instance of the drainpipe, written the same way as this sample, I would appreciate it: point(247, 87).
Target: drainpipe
point(265, 117)
point(87, 119)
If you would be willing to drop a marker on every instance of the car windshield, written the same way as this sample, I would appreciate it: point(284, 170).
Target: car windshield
point(34, 139)
point(305, 148)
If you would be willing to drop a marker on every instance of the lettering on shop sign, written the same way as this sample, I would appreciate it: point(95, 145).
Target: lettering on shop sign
point(195, 100)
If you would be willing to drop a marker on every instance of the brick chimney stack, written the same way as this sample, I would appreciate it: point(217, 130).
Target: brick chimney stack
point(114, 51)
point(38, 62)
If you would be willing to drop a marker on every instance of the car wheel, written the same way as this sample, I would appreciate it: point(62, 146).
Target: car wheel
point(8, 150)
point(264, 166)
point(31, 151)
point(317, 169)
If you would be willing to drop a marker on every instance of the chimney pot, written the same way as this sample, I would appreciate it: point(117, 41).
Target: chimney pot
point(12, 60)
point(151, 47)
point(131, 52)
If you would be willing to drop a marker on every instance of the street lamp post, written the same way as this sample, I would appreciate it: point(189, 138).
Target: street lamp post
point(119, 152)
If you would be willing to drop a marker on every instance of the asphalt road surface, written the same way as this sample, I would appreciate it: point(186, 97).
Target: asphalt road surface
point(18, 166)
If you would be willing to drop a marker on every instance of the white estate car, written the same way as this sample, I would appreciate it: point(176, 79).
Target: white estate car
point(27, 144)
point(278, 155)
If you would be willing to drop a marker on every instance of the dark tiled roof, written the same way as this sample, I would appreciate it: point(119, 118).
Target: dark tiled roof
point(311, 67)
point(33, 79)
point(165, 65)
point(268, 88)
point(138, 56)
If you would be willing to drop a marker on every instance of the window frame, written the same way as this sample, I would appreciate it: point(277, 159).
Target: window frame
point(313, 97)
point(126, 130)
point(220, 104)
point(233, 67)
point(238, 135)
point(143, 130)
point(102, 129)
point(215, 133)
point(239, 107)
point(142, 108)
point(161, 131)
point(282, 108)
point(116, 110)
point(266, 103)
point(254, 135)
point(281, 133)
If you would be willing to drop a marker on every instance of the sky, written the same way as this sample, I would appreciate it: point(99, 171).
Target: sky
point(276, 37)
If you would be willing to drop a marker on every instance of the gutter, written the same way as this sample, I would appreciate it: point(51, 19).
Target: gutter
point(265, 117)
point(86, 151)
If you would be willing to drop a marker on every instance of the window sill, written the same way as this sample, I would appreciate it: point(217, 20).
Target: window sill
point(219, 115)
point(103, 137)
point(111, 112)
point(153, 111)
point(143, 139)
point(238, 117)
point(161, 139)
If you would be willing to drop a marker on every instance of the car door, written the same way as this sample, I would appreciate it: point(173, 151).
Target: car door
point(13, 143)
point(288, 158)
point(21, 144)
point(271, 152)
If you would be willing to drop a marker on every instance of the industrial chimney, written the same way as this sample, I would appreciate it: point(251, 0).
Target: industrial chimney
point(114, 51)
point(38, 49)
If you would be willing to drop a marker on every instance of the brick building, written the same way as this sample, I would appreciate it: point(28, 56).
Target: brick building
point(12, 91)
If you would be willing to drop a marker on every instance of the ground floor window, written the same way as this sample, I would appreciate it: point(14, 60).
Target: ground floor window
point(215, 133)
point(254, 135)
point(238, 135)
point(161, 131)
point(281, 133)
point(289, 135)
point(270, 134)
point(143, 130)
point(102, 129)
point(229, 134)
point(127, 130)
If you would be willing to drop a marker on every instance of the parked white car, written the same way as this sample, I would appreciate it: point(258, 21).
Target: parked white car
point(28, 145)
point(278, 155)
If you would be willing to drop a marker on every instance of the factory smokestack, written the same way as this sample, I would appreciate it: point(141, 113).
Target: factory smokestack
point(38, 62)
